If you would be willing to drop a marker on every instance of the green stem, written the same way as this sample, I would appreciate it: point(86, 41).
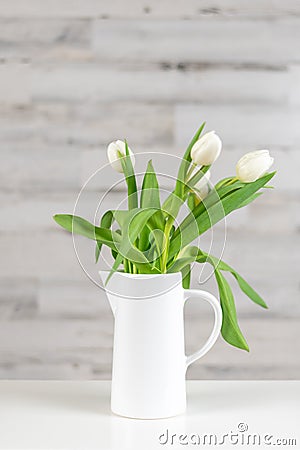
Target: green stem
point(196, 177)
point(190, 171)
point(126, 268)
point(231, 181)
point(164, 256)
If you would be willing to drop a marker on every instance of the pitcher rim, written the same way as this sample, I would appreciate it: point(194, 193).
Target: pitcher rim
point(144, 275)
point(171, 279)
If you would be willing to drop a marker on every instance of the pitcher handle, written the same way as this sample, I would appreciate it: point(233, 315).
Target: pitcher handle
point(188, 293)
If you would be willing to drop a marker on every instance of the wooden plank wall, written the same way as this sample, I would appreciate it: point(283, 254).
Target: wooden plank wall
point(76, 75)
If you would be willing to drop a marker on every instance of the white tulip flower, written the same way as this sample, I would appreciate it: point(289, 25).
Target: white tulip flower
point(207, 149)
point(253, 165)
point(113, 155)
point(202, 187)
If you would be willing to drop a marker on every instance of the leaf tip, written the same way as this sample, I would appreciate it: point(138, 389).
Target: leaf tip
point(271, 174)
point(245, 346)
point(56, 218)
point(150, 164)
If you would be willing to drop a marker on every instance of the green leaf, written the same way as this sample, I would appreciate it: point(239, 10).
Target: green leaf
point(78, 225)
point(114, 254)
point(115, 266)
point(186, 257)
point(186, 276)
point(245, 287)
point(191, 201)
point(136, 255)
point(150, 199)
point(130, 178)
point(157, 241)
point(248, 290)
point(188, 231)
point(213, 198)
point(230, 329)
point(250, 199)
point(221, 265)
point(175, 200)
point(122, 216)
point(131, 222)
point(223, 182)
point(106, 222)
point(172, 205)
point(150, 189)
point(135, 221)
point(185, 164)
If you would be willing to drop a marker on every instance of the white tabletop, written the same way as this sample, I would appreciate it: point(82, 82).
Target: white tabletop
point(76, 415)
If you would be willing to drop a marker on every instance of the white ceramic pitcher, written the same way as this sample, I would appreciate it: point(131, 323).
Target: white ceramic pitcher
point(149, 361)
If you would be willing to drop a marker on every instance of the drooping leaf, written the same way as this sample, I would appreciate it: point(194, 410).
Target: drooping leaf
point(78, 225)
point(245, 287)
point(248, 290)
point(230, 329)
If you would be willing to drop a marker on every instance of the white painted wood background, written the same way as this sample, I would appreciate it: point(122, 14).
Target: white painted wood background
point(76, 75)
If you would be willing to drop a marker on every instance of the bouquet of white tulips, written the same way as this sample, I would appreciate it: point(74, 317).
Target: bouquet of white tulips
point(145, 239)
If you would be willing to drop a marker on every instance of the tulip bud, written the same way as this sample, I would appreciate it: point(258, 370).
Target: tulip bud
point(253, 165)
point(113, 151)
point(202, 187)
point(207, 149)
